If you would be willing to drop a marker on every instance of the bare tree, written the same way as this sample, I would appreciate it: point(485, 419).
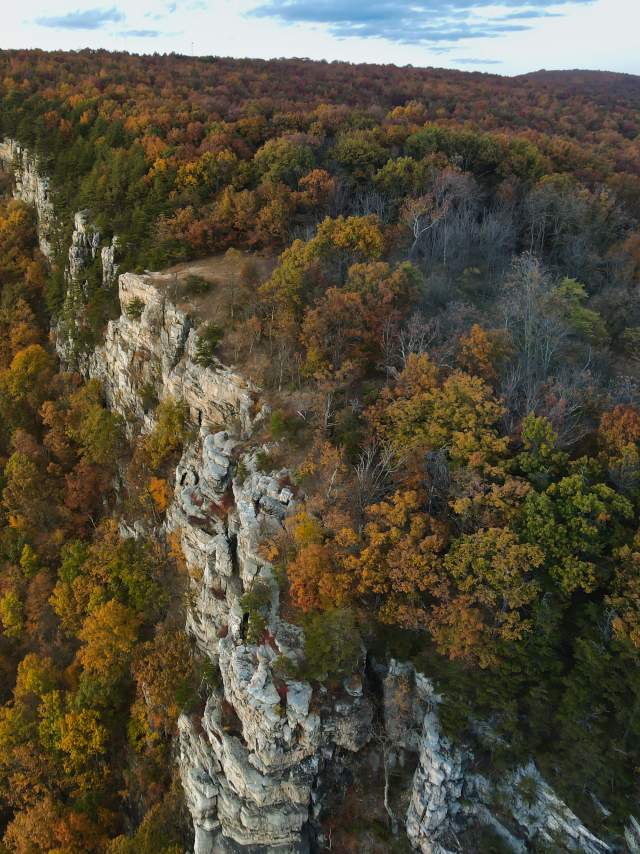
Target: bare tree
point(551, 374)
point(376, 466)
point(421, 215)
point(538, 337)
point(381, 737)
point(444, 221)
point(370, 202)
point(568, 403)
point(438, 479)
point(415, 336)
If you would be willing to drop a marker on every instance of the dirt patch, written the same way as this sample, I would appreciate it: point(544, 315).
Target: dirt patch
point(226, 276)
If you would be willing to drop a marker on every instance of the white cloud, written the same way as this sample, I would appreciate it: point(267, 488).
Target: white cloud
point(81, 19)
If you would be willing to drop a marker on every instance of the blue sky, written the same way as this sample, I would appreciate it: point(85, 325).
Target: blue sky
point(510, 37)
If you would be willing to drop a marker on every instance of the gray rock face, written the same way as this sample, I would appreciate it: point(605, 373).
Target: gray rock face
point(412, 724)
point(109, 266)
point(447, 796)
point(86, 247)
point(436, 792)
point(250, 763)
point(632, 835)
point(32, 187)
point(541, 816)
point(85, 243)
point(153, 354)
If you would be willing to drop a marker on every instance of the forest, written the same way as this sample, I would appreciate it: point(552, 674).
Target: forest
point(448, 333)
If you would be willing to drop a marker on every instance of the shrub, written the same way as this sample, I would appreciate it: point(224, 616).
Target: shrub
point(242, 472)
point(134, 309)
point(264, 461)
point(255, 602)
point(332, 645)
point(284, 426)
point(160, 492)
point(169, 433)
point(210, 674)
point(208, 339)
point(194, 286)
point(527, 787)
point(348, 433)
point(284, 668)
point(149, 396)
point(257, 597)
point(256, 627)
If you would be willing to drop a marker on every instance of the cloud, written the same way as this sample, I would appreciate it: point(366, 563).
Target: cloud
point(141, 34)
point(529, 14)
point(89, 19)
point(173, 7)
point(472, 60)
point(411, 22)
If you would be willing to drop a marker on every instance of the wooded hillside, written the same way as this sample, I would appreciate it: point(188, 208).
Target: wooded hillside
point(450, 341)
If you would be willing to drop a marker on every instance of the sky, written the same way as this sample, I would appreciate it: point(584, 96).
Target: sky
point(512, 37)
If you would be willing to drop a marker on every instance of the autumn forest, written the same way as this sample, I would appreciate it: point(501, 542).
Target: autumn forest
point(434, 278)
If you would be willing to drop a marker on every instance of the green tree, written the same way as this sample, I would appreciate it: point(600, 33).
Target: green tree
point(568, 299)
point(459, 414)
point(209, 336)
point(11, 614)
point(485, 595)
point(307, 268)
point(169, 433)
point(576, 524)
point(285, 160)
point(540, 458)
point(98, 432)
point(332, 646)
point(360, 153)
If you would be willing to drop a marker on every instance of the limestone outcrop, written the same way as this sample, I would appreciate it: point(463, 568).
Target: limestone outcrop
point(85, 242)
point(32, 187)
point(447, 795)
point(149, 354)
point(86, 246)
point(110, 268)
point(252, 760)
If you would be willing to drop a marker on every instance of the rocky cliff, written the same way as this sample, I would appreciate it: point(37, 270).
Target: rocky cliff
point(251, 761)
point(448, 795)
point(259, 762)
point(31, 185)
point(86, 246)
point(255, 759)
point(149, 354)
